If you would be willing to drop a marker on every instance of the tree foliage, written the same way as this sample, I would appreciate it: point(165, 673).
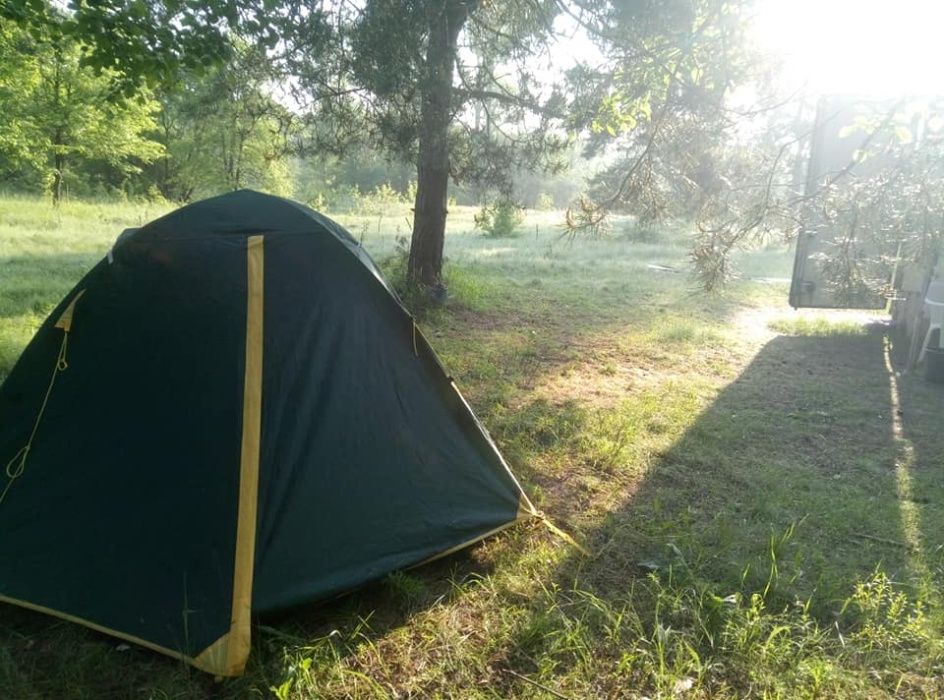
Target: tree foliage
point(425, 82)
point(58, 116)
point(469, 93)
point(222, 130)
point(881, 206)
point(465, 90)
point(887, 205)
point(660, 100)
point(149, 42)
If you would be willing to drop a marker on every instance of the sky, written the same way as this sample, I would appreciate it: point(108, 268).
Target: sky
point(867, 48)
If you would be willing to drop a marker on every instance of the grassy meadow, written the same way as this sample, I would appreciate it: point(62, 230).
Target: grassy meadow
point(759, 489)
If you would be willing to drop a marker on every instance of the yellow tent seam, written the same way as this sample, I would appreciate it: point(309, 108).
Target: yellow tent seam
point(463, 545)
point(228, 655)
point(97, 627)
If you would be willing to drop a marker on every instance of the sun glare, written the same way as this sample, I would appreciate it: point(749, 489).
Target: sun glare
point(868, 48)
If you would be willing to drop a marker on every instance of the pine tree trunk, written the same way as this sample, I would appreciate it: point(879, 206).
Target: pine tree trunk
point(445, 20)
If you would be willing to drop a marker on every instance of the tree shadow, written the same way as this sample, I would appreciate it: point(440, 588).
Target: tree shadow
point(43, 657)
point(800, 478)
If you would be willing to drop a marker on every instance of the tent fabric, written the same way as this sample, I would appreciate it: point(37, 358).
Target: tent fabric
point(245, 419)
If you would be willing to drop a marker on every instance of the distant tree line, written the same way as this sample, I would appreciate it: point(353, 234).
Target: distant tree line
point(66, 132)
point(447, 98)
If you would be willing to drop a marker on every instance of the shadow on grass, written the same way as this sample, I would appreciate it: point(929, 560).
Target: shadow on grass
point(43, 657)
point(802, 478)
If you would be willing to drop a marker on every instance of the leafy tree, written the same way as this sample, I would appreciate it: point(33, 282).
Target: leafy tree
point(453, 86)
point(499, 219)
point(421, 80)
point(222, 130)
point(18, 81)
point(57, 114)
point(879, 204)
point(140, 41)
point(385, 68)
point(660, 100)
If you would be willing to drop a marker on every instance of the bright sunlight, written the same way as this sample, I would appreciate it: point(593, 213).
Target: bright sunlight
point(856, 47)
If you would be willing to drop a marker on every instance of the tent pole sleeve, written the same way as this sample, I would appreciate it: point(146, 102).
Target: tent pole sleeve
point(228, 655)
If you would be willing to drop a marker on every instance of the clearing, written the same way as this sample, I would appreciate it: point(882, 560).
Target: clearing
point(760, 490)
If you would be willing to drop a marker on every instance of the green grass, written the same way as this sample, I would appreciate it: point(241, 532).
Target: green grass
point(43, 253)
point(818, 325)
point(761, 496)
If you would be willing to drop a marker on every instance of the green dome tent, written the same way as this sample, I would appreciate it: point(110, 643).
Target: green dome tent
point(232, 414)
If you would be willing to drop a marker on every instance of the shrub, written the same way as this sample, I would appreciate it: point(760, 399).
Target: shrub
point(378, 202)
point(499, 219)
point(545, 202)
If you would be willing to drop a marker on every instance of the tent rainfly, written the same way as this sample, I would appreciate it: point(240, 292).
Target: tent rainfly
point(232, 414)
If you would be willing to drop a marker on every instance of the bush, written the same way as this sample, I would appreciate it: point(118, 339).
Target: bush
point(500, 219)
point(380, 201)
point(545, 202)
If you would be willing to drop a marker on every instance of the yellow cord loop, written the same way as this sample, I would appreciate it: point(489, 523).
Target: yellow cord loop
point(61, 364)
point(16, 466)
point(560, 533)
